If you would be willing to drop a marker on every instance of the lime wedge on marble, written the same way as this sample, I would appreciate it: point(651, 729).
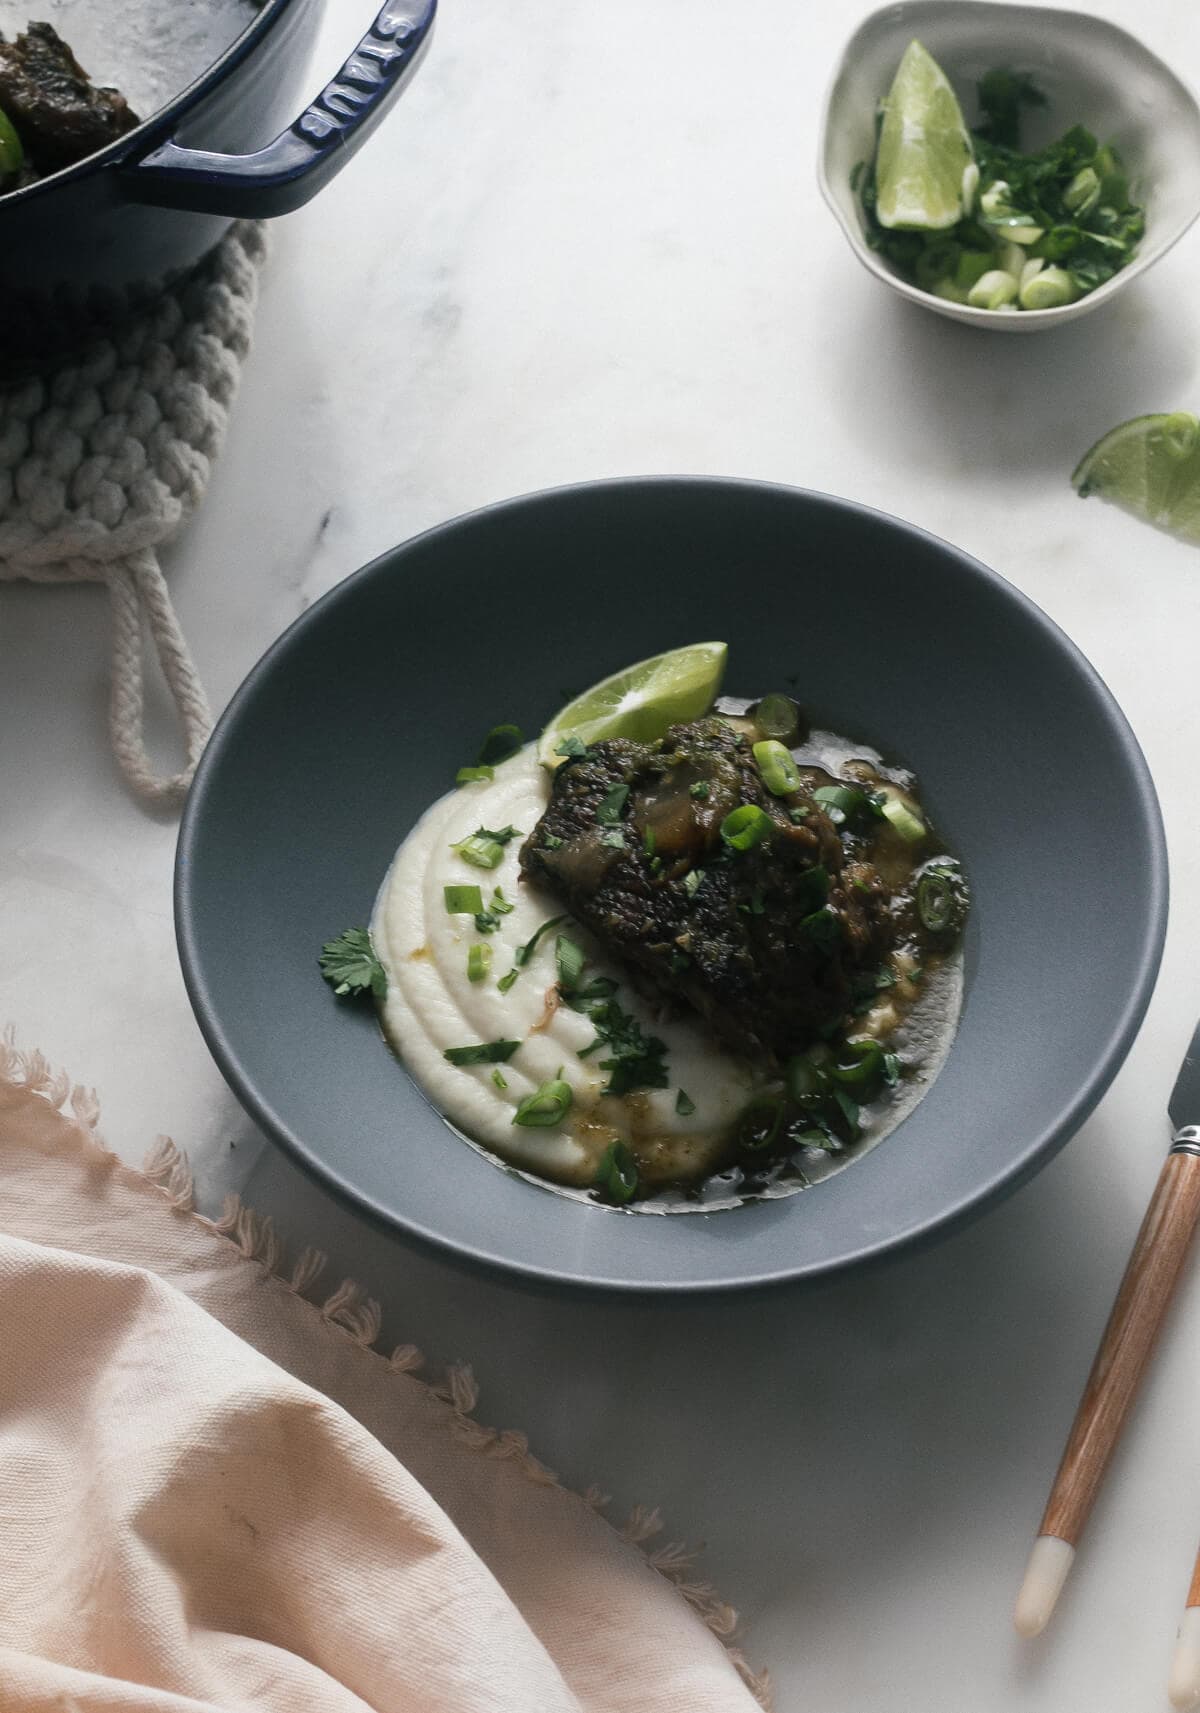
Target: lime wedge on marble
point(640, 702)
point(923, 148)
point(1150, 467)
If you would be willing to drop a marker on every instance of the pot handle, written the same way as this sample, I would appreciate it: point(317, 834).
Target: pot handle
point(302, 159)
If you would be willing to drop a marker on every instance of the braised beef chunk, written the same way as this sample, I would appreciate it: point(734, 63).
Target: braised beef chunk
point(765, 942)
point(58, 114)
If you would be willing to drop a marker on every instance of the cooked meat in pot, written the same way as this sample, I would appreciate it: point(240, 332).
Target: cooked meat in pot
point(58, 114)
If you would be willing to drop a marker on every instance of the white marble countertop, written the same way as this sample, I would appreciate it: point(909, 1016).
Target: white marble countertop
point(589, 242)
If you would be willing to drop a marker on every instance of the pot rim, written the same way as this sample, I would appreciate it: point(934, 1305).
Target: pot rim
point(163, 119)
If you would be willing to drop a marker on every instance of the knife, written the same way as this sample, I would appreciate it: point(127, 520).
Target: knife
point(1151, 1276)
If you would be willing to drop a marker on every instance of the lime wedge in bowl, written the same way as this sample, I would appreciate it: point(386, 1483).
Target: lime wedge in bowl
point(1150, 467)
point(641, 701)
point(923, 149)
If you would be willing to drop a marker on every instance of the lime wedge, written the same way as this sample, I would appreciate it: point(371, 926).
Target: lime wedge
point(1149, 466)
point(640, 702)
point(923, 148)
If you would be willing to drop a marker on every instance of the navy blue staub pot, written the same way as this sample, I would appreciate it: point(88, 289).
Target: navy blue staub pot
point(85, 247)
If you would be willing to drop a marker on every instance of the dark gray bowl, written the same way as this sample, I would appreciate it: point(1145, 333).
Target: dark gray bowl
point(357, 717)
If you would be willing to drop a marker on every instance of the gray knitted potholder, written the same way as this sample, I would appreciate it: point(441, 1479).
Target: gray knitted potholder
point(103, 459)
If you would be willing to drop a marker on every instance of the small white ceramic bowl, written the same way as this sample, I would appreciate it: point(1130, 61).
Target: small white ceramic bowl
point(1092, 74)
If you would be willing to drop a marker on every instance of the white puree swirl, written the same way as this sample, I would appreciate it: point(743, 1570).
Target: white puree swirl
point(431, 1005)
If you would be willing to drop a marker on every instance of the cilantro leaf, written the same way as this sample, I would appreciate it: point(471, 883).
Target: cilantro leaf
point(635, 1060)
point(617, 1175)
point(350, 966)
point(608, 811)
point(482, 1053)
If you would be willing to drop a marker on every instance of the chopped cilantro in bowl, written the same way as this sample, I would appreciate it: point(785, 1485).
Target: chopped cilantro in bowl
point(1034, 229)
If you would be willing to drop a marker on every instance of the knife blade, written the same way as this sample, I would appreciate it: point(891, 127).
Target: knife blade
point(1184, 1104)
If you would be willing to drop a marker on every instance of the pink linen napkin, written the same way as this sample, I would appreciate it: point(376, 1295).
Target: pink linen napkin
point(219, 1496)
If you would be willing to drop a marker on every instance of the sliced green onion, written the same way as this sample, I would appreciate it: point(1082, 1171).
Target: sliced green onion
point(500, 904)
point(897, 813)
point(693, 880)
point(891, 1069)
point(479, 961)
point(1114, 186)
point(609, 809)
point(745, 827)
point(760, 1125)
point(797, 815)
point(649, 841)
point(570, 959)
point(994, 289)
point(777, 716)
point(779, 772)
point(935, 901)
point(684, 1104)
point(499, 744)
point(467, 775)
point(806, 1079)
point(545, 1107)
point(858, 1064)
point(950, 290)
point(847, 802)
point(463, 900)
point(998, 211)
point(699, 788)
point(480, 852)
point(506, 981)
point(617, 1173)
point(552, 841)
point(1083, 192)
point(1050, 289)
point(12, 154)
point(613, 839)
point(482, 1053)
point(499, 1078)
point(1058, 242)
point(848, 1108)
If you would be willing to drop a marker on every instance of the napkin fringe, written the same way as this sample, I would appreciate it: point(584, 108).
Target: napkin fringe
point(360, 1317)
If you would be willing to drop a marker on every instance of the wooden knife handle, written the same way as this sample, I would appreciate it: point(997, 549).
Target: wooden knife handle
point(1137, 1315)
